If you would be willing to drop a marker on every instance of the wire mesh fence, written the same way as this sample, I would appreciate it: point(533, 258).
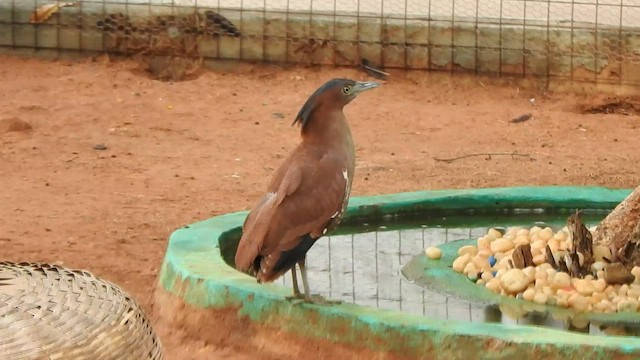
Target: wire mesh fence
point(580, 40)
point(365, 269)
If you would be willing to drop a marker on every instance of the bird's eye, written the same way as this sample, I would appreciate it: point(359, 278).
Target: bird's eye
point(346, 90)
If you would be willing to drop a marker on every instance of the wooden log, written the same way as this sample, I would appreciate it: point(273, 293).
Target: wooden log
point(616, 273)
point(620, 231)
point(560, 265)
point(522, 256)
point(572, 261)
point(582, 241)
point(551, 260)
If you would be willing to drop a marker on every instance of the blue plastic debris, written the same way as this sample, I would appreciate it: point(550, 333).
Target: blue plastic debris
point(492, 260)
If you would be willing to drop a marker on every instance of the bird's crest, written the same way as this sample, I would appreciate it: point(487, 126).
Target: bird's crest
point(305, 113)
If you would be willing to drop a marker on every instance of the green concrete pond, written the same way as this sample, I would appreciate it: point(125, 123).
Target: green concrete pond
point(362, 264)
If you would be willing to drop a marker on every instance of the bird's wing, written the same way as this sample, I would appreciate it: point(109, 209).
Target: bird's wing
point(310, 209)
point(307, 199)
point(257, 223)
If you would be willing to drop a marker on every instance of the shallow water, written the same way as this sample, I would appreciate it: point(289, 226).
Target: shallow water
point(374, 276)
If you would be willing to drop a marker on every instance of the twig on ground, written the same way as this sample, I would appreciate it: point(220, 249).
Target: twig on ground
point(521, 118)
point(489, 155)
point(140, 196)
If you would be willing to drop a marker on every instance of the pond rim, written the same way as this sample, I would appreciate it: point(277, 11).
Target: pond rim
point(195, 272)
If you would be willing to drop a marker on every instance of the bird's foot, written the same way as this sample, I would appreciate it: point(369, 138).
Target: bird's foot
point(312, 299)
point(294, 298)
point(320, 300)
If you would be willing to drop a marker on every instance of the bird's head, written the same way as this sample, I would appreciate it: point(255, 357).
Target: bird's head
point(335, 93)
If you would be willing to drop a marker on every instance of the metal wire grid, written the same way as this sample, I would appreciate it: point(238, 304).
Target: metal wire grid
point(581, 40)
point(365, 269)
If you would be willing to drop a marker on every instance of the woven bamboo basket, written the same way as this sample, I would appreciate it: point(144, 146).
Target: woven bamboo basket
point(49, 312)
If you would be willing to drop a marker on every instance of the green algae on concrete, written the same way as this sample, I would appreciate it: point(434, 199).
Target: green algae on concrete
point(561, 199)
point(194, 270)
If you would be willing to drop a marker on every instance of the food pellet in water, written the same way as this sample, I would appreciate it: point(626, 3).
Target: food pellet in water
point(433, 252)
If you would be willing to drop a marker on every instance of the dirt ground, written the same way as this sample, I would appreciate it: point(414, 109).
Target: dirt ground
point(100, 163)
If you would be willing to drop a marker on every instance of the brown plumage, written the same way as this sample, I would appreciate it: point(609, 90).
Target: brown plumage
point(308, 193)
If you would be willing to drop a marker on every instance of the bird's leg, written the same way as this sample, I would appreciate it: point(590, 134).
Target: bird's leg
point(305, 282)
point(296, 290)
point(294, 278)
point(313, 299)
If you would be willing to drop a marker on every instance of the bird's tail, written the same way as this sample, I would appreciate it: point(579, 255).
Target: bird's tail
point(254, 231)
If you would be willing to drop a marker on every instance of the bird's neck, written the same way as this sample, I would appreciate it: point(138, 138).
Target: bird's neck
point(330, 130)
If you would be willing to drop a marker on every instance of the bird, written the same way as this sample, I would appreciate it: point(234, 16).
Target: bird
point(308, 193)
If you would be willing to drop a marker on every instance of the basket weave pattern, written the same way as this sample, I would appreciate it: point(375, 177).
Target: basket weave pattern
point(50, 312)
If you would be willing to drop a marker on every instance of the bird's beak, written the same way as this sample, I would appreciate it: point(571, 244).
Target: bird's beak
point(364, 86)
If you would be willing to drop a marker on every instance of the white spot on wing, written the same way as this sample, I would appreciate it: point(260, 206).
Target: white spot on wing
point(345, 174)
point(324, 231)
